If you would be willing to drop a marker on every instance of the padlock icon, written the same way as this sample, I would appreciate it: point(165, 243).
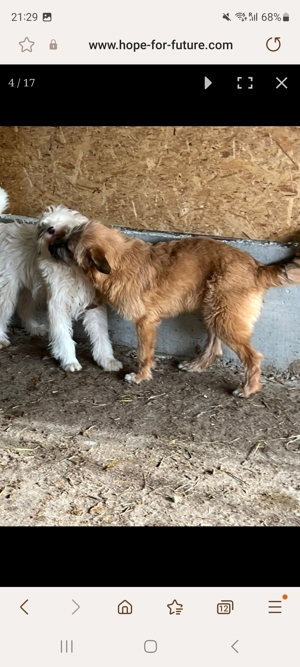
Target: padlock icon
point(53, 45)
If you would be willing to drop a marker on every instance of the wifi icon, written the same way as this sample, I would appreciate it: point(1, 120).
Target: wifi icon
point(241, 16)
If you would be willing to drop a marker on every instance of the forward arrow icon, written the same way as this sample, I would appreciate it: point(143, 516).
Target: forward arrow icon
point(77, 607)
point(207, 82)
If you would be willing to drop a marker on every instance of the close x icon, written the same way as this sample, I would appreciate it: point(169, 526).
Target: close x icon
point(281, 82)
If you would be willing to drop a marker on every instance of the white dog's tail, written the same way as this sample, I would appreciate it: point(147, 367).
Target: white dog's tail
point(3, 200)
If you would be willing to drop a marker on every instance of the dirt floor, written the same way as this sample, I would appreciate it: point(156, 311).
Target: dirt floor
point(88, 449)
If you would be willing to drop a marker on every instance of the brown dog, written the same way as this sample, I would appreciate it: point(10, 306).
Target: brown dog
point(145, 282)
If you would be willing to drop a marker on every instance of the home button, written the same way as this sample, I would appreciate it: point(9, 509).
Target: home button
point(125, 607)
point(150, 646)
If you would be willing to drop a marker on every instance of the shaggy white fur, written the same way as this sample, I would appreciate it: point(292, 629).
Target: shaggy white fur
point(3, 200)
point(30, 280)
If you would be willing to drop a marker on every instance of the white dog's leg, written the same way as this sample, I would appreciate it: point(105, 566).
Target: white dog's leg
point(60, 335)
point(8, 301)
point(25, 311)
point(95, 324)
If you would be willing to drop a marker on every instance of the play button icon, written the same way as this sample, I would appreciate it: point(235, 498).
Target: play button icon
point(207, 82)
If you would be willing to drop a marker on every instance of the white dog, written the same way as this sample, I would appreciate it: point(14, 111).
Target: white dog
point(30, 280)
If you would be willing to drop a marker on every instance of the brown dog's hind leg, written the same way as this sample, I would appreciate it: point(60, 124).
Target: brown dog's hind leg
point(146, 333)
point(251, 360)
point(231, 312)
point(239, 342)
point(212, 350)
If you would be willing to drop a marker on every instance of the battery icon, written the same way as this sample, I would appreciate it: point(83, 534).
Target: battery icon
point(286, 17)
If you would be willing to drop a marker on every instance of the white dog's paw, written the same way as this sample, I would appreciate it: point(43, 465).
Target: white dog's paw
point(131, 377)
point(42, 330)
point(71, 368)
point(4, 343)
point(38, 330)
point(111, 365)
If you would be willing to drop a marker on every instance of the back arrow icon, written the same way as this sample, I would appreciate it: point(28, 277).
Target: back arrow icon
point(233, 645)
point(22, 607)
point(78, 607)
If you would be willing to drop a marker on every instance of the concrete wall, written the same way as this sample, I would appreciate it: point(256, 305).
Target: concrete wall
point(276, 333)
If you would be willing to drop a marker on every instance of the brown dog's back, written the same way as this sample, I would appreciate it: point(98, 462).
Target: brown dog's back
point(173, 277)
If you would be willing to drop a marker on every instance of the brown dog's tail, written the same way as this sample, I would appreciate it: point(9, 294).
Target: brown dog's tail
point(286, 272)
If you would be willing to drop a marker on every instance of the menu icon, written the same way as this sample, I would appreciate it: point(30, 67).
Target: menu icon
point(275, 606)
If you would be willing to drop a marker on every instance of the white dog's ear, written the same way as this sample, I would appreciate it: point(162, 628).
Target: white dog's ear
point(79, 218)
point(99, 260)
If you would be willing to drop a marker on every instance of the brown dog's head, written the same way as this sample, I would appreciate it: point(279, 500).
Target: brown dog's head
point(91, 246)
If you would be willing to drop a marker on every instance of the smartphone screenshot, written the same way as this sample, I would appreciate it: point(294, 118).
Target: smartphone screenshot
point(149, 333)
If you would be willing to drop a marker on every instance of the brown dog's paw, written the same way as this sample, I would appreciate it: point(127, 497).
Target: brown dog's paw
point(132, 377)
point(184, 365)
point(136, 378)
point(239, 392)
point(191, 366)
point(245, 392)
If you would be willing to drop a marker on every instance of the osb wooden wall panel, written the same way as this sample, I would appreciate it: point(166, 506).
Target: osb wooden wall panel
point(225, 181)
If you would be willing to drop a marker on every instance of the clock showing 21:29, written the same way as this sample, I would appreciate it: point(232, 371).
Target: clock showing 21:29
point(24, 17)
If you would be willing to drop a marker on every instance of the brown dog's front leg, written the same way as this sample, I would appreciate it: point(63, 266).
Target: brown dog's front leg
point(146, 333)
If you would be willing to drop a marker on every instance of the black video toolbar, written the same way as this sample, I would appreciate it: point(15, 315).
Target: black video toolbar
point(149, 94)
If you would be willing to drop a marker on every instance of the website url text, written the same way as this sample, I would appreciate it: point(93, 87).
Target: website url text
point(154, 45)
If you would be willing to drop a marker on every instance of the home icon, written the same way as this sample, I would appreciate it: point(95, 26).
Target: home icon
point(125, 607)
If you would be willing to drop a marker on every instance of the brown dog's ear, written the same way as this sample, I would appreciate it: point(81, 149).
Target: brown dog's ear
point(99, 260)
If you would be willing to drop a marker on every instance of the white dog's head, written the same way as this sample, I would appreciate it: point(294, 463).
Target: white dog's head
point(58, 220)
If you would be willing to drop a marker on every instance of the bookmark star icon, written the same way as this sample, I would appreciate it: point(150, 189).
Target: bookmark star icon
point(26, 45)
point(175, 607)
